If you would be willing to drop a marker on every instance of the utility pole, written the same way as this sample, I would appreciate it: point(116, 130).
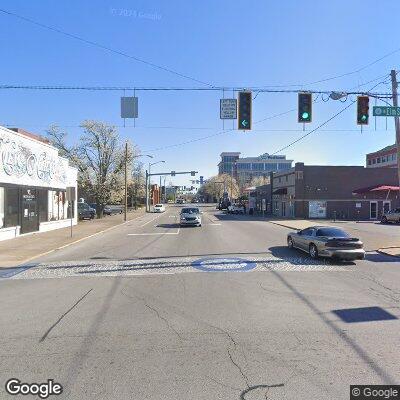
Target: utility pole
point(126, 180)
point(396, 120)
point(147, 191)
point(160, 192)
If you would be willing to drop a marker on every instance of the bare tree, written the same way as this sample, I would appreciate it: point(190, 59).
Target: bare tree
point(215, 186)
point(99, 156)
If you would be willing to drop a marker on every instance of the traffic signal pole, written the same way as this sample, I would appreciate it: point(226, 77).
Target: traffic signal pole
point(396, 120)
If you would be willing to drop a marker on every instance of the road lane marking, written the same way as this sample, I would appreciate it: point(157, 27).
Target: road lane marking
point(158, 216)
point(213, 224)
point(154, 233)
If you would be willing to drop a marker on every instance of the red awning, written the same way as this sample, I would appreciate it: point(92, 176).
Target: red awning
point(377, 188)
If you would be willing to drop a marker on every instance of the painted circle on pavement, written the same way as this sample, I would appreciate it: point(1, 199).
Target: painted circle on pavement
point(223, 264)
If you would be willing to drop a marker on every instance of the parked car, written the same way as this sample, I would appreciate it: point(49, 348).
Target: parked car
point(235, 209)
point(180, 201)
point(159, 208)
point(195, 201)
point(391, 216)
point(327, 241)
point(85, 211)
point(190, 216)
point(110, 210)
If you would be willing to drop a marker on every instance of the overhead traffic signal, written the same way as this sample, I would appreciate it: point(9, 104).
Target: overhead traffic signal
point(244, 110)
point(305, 107)
point(362, 110)
point(172, 173)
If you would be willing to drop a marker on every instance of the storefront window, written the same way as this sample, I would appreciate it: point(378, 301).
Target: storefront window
point(11, 207)
point(57, 207)
point(1, 207)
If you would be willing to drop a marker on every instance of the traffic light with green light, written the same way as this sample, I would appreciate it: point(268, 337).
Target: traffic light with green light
point(244, 110)
point(305, 107)
point(362, 110)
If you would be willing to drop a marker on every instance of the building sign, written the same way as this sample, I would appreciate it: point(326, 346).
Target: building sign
point(25, 162)
point(317, 209)
point(358, 205)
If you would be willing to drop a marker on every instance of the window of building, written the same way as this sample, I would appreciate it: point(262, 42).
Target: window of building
point(384, 159)
point(1, 207)
point(283, 166)
point(378, 160)
point(374, 161)
point(11, 207)
point(257, 166)
point(57, 205)
point(369, 162)
point(287, 178)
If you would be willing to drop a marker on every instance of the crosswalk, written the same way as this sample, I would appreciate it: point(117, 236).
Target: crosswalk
point(175, 265)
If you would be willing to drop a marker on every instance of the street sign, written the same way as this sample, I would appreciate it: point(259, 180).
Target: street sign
point(385, 111)
point(227, 109)
point(129, 107)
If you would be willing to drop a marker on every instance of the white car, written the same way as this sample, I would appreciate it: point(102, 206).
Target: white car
point(159, 208)
point(235, 209)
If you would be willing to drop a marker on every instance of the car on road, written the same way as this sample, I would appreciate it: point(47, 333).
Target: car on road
point(85, 211)
point(327, 241)
point(159, 208)
point(391, 216)
point(190, 216)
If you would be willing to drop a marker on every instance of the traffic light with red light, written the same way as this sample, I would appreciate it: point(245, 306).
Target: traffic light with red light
point(305, 108)
point(362, 110)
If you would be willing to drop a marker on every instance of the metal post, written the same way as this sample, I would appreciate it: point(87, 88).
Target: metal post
point(147, 191)
point(126, 180)
point(396, 120)
point(160, 192)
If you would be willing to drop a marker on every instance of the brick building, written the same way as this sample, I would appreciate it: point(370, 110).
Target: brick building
point(383, 158)
point(344, 192)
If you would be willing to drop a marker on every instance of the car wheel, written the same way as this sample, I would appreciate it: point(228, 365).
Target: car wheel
point(384, 220)
point(290, 242)
point(313, 251)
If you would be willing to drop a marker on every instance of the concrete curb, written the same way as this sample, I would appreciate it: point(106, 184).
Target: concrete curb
point(382, 251)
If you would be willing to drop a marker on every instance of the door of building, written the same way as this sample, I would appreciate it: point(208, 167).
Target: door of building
point(373, 210)
point(283, 209)
point(29, 217)
point(386, 206)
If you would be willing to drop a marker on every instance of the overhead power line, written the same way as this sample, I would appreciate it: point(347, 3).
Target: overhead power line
point(101, 46)
point(319, 126)
point(183, 89)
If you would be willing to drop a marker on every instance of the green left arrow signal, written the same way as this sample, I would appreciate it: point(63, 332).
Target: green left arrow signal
point(244, 123)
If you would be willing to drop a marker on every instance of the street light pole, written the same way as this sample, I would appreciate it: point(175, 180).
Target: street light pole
point(126, 180)
point(396, 120)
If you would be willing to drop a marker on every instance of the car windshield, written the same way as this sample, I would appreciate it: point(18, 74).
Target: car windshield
point(332, 232)
point(190, 211)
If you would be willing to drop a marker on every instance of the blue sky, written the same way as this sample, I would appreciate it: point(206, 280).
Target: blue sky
point(225, 43)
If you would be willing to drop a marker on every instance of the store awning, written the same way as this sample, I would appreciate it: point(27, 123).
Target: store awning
point(280, 191)
point(377, 188)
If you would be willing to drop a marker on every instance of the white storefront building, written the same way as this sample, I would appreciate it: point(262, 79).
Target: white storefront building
point(38, 188)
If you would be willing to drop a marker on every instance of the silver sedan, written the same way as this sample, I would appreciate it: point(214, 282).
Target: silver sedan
point(190, 216)
point(327, 241)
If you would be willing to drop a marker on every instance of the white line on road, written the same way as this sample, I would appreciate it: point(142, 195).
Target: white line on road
point(158, 216)
point(214, 224)
point(153, 233)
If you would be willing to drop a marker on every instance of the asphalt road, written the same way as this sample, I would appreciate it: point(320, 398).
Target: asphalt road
point(223, 311)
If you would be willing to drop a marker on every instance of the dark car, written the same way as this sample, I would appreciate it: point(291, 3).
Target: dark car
point(85, 211)
point(327, 241)
point(110, 210)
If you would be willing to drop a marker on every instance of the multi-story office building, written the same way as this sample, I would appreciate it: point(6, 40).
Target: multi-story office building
point(386, 157)
point(246, 168)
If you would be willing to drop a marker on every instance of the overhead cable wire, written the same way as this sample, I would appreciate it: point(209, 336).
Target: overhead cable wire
point(101, 46)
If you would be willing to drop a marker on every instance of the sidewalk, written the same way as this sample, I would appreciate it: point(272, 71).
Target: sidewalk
point(27, 247)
